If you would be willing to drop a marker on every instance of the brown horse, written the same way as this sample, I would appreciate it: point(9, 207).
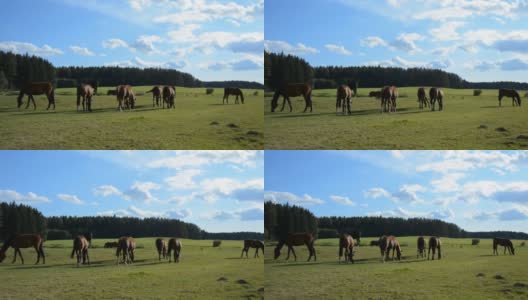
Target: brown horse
point(37, 88)
point(86, 91)
point(252, 244)
point(421, 247)
point(18, 241)
point(345, 94)
point(80, 248)
point(111, 92)
point(347, 242)
point(292, 90)
point(375, 94)
point(389, 95)
point(516, 99)
point(161, 245)
point(434, 243)
point(111, 244)
point(232, 91)
point(422, 98)
point(156, 96)
point(176, 245)
point(124, 245)
point(125, 97)
point(169, 92)
point(297, 239)
point(436, 94)
point(503, 242)
point(386, 243)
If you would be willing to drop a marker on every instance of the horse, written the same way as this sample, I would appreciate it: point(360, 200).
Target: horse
point(161, 245)
point(375, 94)
point(436, 94)
point(516, 99)
point(125, 97)
point(422, 98)
point(110, 244)
point(131, 249)
point(503, 242)
point(389, 94)
point(156, 95)
point(297, 239)
point(176, 245)
point(434, 243)
point(252, 244)
point(37, 88)
point(18, 241)
point(292, 90)
point(111, 92)
point(345, 94)
point(421, 247)
point(86, 91)
point(232, 91)
point(169, 92)
point(386, 243)
point(80, 248)
point(124, 244)
point(347, 242)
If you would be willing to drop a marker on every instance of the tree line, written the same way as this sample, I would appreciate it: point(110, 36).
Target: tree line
point(16, 69)
point(281, 219)
point(20, 218)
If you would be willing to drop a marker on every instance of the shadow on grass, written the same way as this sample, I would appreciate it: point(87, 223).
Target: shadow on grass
point(297, 264)
point(490, 106)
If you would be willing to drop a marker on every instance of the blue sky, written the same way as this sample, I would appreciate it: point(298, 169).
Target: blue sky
point(213, 40)
point(481, 40)
point(477, 190)
point(220, 191)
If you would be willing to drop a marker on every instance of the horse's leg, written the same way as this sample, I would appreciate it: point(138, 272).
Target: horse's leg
point(289, 250)
point(38, 255)
point(338, 104)
point(283, 102)
point(428, 252)
point(20, 254)
point(294, 255)
point(14, 258)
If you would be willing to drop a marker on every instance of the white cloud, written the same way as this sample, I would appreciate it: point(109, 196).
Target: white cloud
point(407, 42)
point(281, 46)
point(516, 213)
point(338, 49)
point(81, 51)
point(342, 200)
point(114, 43)
point(106, 190)
point(447, 183)
point(70, 199)
point(250, 190)
point(246, 214)
point(183, 179)
point(404, 213)
point(140, 63)
point(183, 159)
point(139, 5)
point(137, 212)
point(141, 191)
point(398, 154)
point(373, 41)
point(406, 193)
point(23, 48)
point(447, 31)
point(145, 43)
point(286, 197)
point(29, 198)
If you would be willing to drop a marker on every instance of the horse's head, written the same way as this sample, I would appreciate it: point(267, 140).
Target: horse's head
point(2, 256)
point(512, 249)
point(277, 251)
point(274, 101)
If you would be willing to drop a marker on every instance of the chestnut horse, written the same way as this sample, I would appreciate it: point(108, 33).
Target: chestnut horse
point(125, 246)
point(421, 247)
point(252, 244)
point(18, 241)
point(111, 244)
point(297, 239)
point(516, 99)
point(347, 242)
point(386, 243)
point(345, 94)
point(86, 91)
point(503, 242)
point(176, 245)
point(37, 88)
point(80, 248)
point(422, 98)
point(125, 97)
point(436, 94)
point(389, 95)
point(169, 92)
point(156, 96)
point(292, 90)
point(434, 243)
point(232, 91)
point(161, 245)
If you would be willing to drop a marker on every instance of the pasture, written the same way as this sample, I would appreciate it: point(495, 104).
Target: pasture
point(467, 122)
point(203, 272)
point(464, 272)
point(199, 121)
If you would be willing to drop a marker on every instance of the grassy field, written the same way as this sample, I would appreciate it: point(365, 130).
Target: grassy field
point(467, 122)
point(197, 276)
point(452, 277)
point(199, 121)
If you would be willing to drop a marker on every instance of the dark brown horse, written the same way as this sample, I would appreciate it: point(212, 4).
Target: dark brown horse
point(232, 91)
point(125, 97)
point(176, 245)
point(18, 241)
point(345, 94)
point(124, 245)
point(297, 239)
point(86, 91)
point(422, 98)
point(435, 244)
point(37, 88)
point(516, 99)
point(156, 95)
point(111, 244)
point(503, 242)
point(387, 243)
point(389, 95)
point(252, 244)
point(292, 90)
point(111, 92)
point(375, 94)
point(346, 242)
point(420, 247)
point(161, 245)
point(169, 92)
point(80, 248)
point(436, 94)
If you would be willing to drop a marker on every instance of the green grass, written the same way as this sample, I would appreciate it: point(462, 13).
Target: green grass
point(186, 127)
point(195, 277)
point(457, 127)
point(452, 277)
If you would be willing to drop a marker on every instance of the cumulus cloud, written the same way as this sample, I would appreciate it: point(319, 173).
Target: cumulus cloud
point(29, 198)
point(286, 197)
point(184, 159)
point(518, 213)
point(284, 47)
point(404, 213)
point(407, 193)
point(447, 31)
point(342, 200)
point(183, 179)
point(373, 41)
point(106, 190)
point(141, 191)
point(134, 211)
point(248, 214)
point(338, 49)
point(81, 51)
point(23, 48)
point(71, 199)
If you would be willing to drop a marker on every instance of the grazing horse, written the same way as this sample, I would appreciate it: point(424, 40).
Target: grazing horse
point(232, 91)
point(252, 244)
point(161, 245)
point(80, 248)
point(124, 244)
point(434, 243)
point(156, 95)
point(86, 91)
point(389, 95)
point(297, 239)
point(503, 242)
point(125, 97)
point(37, 88)
point(169, 92)
point(375, 94)
point(386, 243)
point(292, 90)
point(110, 244)
point(347, 242)
point(516, 99)
point(111, 92)
point(176, 245)
point(18, 241)
point(436, 94)
point(422, 98)
point(421, 247)
point(345, 94)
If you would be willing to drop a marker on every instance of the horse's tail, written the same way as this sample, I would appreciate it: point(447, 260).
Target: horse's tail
point(152, 90)
point(242, 96)
point(72, 254)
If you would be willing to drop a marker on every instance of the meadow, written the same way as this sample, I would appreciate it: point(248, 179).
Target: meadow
point(203, 272)
point(464, 272)
point(467, 122)
point(199, 121)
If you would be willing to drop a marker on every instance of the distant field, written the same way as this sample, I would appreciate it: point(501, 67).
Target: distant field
point(199, 121)
point(452, 277)
point(195, 277)
point(467, 122)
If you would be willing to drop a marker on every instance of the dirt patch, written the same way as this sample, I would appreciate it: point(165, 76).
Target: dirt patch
point(242, 281)
point(501, 129)
point(480, 275)
point(222, 279)
point(499, 277)
point(232, 125)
